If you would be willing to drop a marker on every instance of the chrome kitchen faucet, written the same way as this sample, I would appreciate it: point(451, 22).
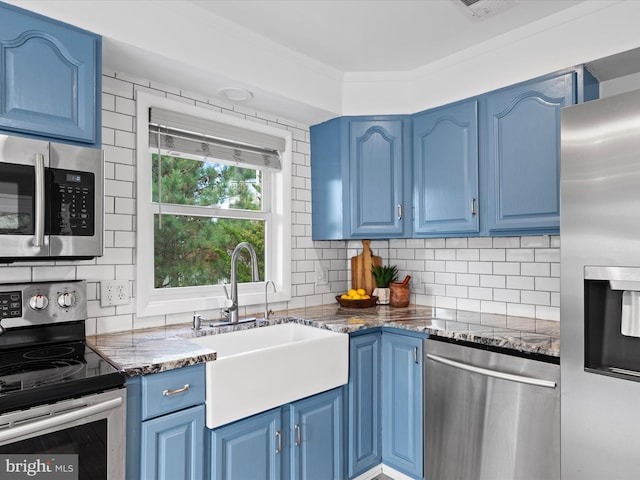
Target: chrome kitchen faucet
point(232, 310)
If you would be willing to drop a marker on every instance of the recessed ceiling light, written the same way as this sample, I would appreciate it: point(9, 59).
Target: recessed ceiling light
point(234, 94)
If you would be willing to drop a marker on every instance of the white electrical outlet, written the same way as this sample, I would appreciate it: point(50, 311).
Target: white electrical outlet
point(114, 292)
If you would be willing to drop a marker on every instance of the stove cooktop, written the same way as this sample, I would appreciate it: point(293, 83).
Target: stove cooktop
point(51, 367)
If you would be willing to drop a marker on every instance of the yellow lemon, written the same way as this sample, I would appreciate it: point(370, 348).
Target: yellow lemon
point(352, 292)
point(361, 291)
point(365, 297)
point(345, 296)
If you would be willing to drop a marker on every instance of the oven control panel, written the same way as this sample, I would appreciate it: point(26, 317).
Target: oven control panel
point(42, 302)
point(11, 304)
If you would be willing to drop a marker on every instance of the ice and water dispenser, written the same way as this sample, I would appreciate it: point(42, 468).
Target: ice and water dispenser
point(612, 321)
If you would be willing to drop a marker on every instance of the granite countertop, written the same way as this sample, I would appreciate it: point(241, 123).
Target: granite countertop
point(140, 352)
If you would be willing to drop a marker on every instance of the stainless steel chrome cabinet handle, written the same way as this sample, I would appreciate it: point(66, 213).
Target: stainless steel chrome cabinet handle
point(57, 420)
point(400, 212)
point(38, 235)
point(416, 359)
point(298, 435)
point(538, 382)
point(279, 441)
point(168, 393)
point(473, 207)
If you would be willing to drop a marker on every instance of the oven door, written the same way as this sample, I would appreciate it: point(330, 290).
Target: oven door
point(91, 427)
point(22, 197)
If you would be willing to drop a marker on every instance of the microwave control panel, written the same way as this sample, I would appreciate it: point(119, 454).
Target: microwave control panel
point(73, 203)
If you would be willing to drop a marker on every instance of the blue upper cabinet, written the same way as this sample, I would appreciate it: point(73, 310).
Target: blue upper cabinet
point(445, 170)
point(522, 162)
point(49, 78)
point(360, 178)
point(377, 171)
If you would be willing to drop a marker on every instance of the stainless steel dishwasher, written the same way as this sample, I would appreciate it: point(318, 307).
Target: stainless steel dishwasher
point(489, 415)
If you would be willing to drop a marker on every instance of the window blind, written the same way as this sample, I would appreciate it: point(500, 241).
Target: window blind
point(177, 132)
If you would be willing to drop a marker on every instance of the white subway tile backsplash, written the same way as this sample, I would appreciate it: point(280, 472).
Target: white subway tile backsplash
point(468, 279)
point(492, 254)
point(535, 297)
point(481, 293)
point(506, 242)
point(520, 310)
point(520, 255)
point(493, 281)
point(542, 269)
point(456, 242)
point(445, 278)
point(468, 254)
point(549, 284)
point(456, 266)
point(480, 242)
point(547, 255)
point(481, 267)
point(520, 282)
point(506, 268)
point(540, 241)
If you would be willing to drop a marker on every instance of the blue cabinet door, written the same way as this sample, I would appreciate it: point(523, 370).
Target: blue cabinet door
point(364, 448)
point(329, 177)
point(523, 156)
point(445, 170)
point(49, 77)
point(316, 441)
point(248, 449)
point(402, 446)
point(378, 166)
point(172, 446)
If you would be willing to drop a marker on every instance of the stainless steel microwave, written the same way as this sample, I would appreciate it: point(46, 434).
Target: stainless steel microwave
point(51, 200)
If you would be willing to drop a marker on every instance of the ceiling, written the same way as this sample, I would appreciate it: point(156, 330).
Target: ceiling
point(379, 35)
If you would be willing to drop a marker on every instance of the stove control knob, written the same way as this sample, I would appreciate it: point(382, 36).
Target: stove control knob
point(66, 299)
point(38, 302)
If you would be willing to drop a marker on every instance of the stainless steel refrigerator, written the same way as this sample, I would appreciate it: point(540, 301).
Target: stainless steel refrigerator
point(600, 289)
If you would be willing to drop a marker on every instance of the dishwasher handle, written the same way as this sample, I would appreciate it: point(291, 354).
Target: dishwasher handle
point(538, 382)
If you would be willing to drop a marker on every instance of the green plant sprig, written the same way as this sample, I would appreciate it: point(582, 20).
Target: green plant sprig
point(385, 275)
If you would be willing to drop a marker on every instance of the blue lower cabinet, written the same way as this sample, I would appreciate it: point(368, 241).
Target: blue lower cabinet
point(402, 446)
point(172, 446)
point(385, 419)
point(364, 430)
point(248, 449)
point(166, 426)
point(316, 437)
point(298, 441)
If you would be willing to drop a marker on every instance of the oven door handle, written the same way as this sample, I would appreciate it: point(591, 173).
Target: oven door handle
point(57, 420)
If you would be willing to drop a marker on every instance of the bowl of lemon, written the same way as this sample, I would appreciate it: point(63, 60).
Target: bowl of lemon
point(356, 298)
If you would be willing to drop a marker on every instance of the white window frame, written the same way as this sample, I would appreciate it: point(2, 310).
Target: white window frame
point(152, 301)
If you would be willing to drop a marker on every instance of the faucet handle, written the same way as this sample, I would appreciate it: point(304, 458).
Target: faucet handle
point(228, 303)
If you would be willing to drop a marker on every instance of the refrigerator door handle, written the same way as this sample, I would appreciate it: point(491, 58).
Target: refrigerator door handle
point(538, 382)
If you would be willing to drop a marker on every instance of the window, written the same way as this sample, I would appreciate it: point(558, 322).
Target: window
point(198, 196)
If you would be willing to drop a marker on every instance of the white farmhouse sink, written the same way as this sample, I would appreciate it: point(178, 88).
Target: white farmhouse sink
point(262, 368)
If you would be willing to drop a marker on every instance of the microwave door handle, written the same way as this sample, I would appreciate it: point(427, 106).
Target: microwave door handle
point(38, 240)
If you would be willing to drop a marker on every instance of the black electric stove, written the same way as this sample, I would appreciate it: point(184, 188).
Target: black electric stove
point(44, 357)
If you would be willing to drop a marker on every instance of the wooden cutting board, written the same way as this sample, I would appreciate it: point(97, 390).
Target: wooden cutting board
point(361, 276)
